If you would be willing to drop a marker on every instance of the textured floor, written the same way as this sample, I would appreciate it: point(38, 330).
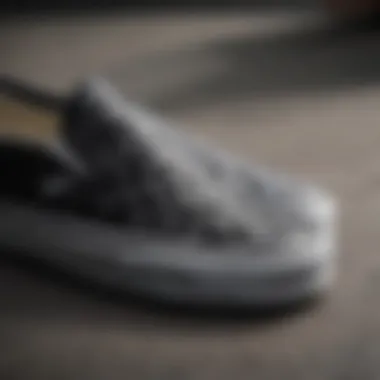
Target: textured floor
point(277, 89)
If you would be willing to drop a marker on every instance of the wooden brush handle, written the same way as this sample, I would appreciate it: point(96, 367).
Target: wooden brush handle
point(353, 7)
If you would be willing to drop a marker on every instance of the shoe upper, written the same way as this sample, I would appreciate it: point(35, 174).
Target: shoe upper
point(143, 173)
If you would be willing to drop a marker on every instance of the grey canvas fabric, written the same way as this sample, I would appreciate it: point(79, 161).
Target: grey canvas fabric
point(145, 174)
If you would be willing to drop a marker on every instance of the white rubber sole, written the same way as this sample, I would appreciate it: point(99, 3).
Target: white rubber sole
point(184, 272)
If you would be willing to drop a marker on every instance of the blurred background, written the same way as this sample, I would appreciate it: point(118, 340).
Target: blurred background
point(293, 85)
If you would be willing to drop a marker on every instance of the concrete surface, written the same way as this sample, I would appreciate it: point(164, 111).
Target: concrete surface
point(280, 89)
